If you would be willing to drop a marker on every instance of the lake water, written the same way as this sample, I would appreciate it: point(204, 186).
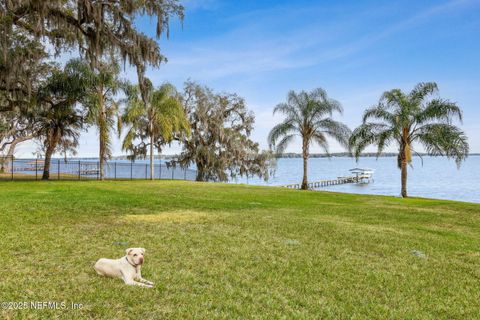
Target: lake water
point(438, 177)
point(89, 169)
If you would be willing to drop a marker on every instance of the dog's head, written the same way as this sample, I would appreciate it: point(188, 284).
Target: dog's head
point(136, 255)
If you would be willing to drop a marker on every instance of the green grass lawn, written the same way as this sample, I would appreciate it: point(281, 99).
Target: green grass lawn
point(228, 251)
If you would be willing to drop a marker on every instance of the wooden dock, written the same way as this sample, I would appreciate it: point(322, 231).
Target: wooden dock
point(361, 176)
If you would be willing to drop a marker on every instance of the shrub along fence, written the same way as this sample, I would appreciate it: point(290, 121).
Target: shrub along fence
point(78, 169)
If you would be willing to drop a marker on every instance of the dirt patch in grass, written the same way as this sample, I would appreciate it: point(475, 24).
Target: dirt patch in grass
point(170, 216)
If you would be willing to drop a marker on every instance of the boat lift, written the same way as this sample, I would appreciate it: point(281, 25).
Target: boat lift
point(363, 175)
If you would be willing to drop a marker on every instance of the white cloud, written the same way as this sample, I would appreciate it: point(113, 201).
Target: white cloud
point(191, 5)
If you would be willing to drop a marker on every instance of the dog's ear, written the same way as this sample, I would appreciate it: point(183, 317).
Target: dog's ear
point(143, 250)
point(128, 251)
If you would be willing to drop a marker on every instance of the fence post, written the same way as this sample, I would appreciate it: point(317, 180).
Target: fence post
point(79, 170)
point(36, 169)
point(58, 169)
point(115, 170)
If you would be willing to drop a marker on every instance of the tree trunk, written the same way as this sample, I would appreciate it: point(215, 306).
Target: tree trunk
point(152, 167)
point(404, 177)
point(305, 165)
point(404, 160)
point(8, 165)
point(102, 161)
point(51, 145)
point(199, 174)
point(5, 166)
point(102, 128)
point(48, 158)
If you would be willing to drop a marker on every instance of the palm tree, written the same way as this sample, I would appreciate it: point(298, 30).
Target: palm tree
point(405, 119)
point(308, 116)
point(59, 121)
point(154, 123)
point(58, 127)
point(103, 108)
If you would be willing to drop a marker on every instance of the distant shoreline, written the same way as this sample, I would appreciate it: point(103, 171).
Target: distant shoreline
point(313, 155)
point(283, 156)
point(347, 155)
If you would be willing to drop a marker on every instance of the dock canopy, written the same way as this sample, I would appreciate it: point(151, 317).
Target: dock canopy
point(362, 172)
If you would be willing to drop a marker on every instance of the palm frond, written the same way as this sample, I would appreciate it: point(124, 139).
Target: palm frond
point(441, 139)
point(279, 131)
point(127, 143)
point(283, 143)
point(296, 100)
point(320, 139)
point(393, 99)
point(439, 110)
point(422, 90)
point(379, 112)
point(335, 129)
point(365, 135)
point(384, 138)
point(290, 111)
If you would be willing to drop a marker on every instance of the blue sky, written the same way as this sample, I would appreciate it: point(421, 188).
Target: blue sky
point(353, 49)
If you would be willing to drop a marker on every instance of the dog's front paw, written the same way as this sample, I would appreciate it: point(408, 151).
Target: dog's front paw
point(147, 282)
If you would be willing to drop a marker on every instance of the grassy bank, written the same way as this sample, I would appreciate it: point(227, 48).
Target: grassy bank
point(225, 251)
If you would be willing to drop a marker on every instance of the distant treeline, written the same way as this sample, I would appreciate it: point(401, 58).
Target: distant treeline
point(156, 157)
point(299, 155)
point(346, 154)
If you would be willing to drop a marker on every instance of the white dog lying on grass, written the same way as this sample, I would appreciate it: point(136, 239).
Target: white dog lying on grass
point(126, 268)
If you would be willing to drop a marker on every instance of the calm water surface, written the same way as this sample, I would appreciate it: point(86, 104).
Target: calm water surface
point(437, 178)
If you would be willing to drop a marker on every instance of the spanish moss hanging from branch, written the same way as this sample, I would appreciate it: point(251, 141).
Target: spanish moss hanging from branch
point(95, 28)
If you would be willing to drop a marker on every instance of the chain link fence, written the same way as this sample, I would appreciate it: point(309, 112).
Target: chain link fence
point(77, 169)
